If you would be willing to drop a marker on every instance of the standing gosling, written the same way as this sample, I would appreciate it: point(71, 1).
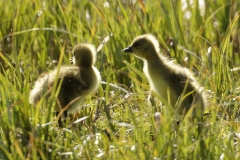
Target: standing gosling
point(77, 81)
point(171, 82)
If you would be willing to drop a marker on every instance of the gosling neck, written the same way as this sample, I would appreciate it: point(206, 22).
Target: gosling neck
point(153, 56)
point(84, 65)
point(156, 62)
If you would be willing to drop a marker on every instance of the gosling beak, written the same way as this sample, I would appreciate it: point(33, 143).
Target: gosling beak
point(128, 49)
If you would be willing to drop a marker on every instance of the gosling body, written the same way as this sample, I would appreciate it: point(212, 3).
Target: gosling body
point(77, 81)
point(173, 83)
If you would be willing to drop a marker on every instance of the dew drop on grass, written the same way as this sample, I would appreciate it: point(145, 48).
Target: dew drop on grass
point(133, 148)
point(100, 155)
point(222, 156)
point(40, 12)
point(106, 4)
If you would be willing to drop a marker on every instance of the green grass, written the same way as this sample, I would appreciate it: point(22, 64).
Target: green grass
point(34, 34)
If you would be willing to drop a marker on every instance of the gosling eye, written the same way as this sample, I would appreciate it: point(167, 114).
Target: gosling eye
point(73, 53)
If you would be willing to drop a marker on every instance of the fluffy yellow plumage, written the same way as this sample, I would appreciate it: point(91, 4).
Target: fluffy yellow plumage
point(169, 81)
point(77, 81)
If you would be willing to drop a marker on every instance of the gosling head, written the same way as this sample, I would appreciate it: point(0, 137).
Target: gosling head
point(84, 55)
point(145, 46)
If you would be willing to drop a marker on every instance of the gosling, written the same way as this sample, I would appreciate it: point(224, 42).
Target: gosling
point(77, 81)
point(170, 82)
